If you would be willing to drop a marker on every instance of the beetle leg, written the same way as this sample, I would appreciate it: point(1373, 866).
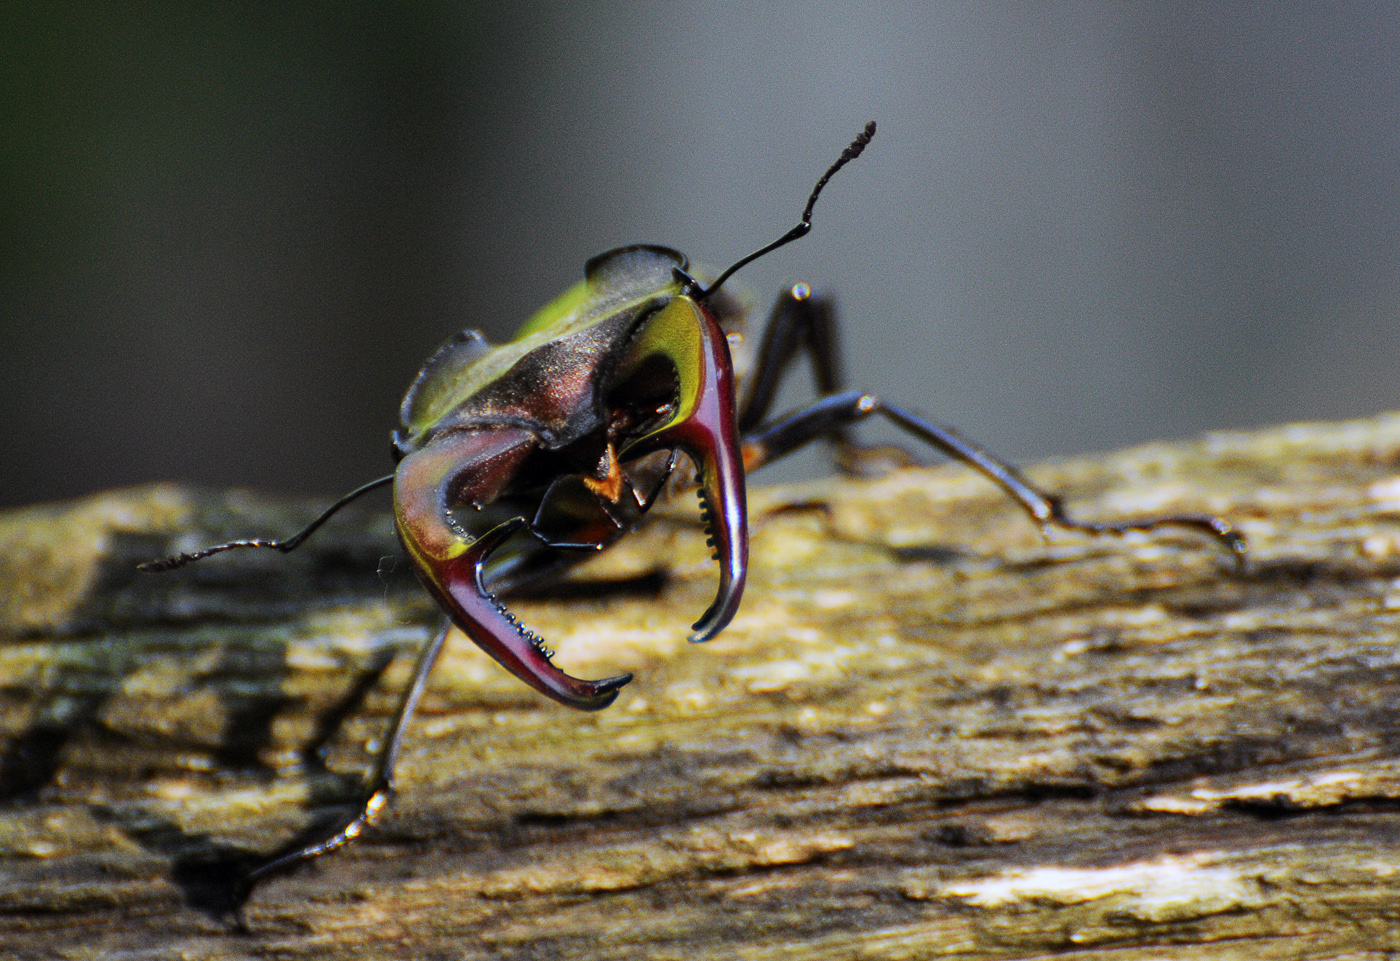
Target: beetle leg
point(449, 563)
point(800, 321)
point(380, 788)
point(829, 413)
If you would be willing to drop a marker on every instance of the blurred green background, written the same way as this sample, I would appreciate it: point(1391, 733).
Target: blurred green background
point(232, 232)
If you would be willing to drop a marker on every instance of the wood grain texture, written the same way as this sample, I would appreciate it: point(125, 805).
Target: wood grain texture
point(929, 733)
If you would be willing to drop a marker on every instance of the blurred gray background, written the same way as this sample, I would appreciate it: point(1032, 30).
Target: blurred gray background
point(232, 232)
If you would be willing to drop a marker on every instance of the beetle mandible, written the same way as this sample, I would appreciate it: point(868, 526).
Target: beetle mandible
point(564, 437)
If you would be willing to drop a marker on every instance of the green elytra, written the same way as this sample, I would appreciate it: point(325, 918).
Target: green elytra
point(619, 288)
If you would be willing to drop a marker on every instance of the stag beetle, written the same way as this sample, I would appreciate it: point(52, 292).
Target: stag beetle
point(568, 434)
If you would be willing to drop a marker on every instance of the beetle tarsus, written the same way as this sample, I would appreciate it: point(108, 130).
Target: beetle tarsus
point(1234, 543)
point(375, 801)
point(380, 786)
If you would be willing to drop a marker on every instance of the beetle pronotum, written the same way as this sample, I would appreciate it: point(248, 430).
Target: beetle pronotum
point(561, 439)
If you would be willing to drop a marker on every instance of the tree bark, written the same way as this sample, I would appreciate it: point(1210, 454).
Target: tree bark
point(929, 732)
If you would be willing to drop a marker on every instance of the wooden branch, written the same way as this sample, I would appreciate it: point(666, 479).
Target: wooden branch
point(929, 733)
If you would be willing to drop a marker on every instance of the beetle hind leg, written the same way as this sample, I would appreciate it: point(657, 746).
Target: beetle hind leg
point(830, 413)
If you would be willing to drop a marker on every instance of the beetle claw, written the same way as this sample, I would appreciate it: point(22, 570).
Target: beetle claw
point(500, 634)
point(704, 427)
point(726, 602)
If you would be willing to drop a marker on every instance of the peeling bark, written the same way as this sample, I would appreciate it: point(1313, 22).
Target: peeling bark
point(929, 732)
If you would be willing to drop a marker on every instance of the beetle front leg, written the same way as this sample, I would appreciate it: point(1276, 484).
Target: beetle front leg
point(380, 786)
point(831, 413)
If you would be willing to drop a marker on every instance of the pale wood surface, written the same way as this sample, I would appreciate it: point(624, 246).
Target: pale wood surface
point(929, 733)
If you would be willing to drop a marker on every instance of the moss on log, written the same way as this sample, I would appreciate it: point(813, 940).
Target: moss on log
point(929, 732)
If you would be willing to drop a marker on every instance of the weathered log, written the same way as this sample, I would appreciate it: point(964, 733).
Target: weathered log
point(928, 733)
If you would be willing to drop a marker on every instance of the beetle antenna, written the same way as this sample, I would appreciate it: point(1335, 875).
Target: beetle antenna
point(290, 544)
point(805, 224)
